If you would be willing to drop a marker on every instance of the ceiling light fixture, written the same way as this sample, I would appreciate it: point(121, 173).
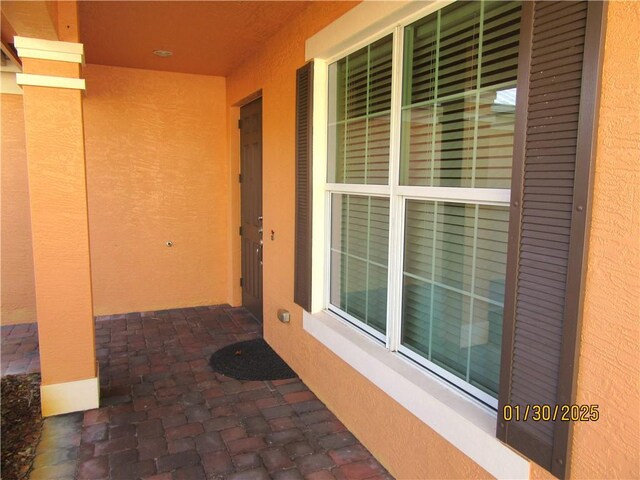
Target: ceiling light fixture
point(162, 53)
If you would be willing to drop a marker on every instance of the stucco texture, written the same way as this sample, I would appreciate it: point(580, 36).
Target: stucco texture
point(17, 282)
point(157, 172)
point(59, 230)
point(379, 422)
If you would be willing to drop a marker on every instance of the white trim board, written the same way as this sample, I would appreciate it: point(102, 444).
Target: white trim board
point(364, 22)
point(69, 397)
point(50, 81)
point(49, 50)
point(466, 424)
point(319, 164)
point(8, 84)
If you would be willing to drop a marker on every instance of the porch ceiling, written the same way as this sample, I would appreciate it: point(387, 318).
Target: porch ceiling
point(206, 37)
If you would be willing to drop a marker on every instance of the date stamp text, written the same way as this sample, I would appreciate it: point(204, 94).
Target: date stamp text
point(545, 413)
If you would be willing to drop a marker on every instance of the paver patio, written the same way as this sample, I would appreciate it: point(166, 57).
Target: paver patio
point(165, 414)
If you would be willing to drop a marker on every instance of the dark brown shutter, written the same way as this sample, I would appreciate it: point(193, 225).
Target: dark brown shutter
point(304, 119)
point(558, 88)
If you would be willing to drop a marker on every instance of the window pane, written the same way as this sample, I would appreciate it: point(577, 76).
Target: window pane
point(359, 257)
point(494, 138)
point(357, 79)
point(359, 115)
point(500, 40)
point(484, 363)
point(450, 325)
point(420, 55)
point(453, 287)
point(458, 111)
point(380, 76)
point(355, 150)
point(458, 48)
point(378, 134)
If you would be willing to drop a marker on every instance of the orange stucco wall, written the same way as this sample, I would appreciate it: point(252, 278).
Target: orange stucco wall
point(157, 171)
point(17, 283)
point(273, 70)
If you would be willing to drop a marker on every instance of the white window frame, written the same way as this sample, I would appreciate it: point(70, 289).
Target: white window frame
point(470, 424)
point(398, 195)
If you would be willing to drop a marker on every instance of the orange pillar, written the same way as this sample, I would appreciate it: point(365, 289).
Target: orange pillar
point(53, 93)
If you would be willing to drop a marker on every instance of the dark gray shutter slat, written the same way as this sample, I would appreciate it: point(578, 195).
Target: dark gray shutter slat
point(557, 93)
point(532, 260)
point(554, 272)
point(549, 276)
point(544, 273)
point(548, 57)
point(546, 337)
point(567, 86)
point(547, 307)
point(543, 208)
point(571, 61)
point(555, 8)
point(304, 165)
point(541, 104)
point(549, 23)
point(545, 191)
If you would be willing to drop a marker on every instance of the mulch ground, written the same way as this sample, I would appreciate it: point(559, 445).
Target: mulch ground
point(21, 424)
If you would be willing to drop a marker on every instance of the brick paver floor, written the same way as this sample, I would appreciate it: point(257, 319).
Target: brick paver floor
point(19, 352)
point(165, 414)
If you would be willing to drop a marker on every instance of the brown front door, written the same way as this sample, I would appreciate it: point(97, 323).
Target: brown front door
point(251, 187)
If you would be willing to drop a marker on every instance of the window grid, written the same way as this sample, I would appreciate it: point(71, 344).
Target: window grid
point(455, 96)
point(394, 294)
point(472, 289)
point(477, 114)
point(435, 112)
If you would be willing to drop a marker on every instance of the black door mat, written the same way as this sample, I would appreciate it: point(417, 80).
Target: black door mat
point(250, 360)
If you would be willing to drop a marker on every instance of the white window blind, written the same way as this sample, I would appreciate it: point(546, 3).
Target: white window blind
point(359, 258)
point(457, 129)
point(453, 287)
point(359, 115)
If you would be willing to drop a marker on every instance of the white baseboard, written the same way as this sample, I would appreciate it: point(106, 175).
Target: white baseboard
point(68, 397)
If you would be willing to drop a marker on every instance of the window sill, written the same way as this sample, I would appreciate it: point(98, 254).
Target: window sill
point(467, 425)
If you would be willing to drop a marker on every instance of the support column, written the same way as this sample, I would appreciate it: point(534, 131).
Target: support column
point(53, 93)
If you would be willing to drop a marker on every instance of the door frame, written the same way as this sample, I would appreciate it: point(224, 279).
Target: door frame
point(257, 96)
